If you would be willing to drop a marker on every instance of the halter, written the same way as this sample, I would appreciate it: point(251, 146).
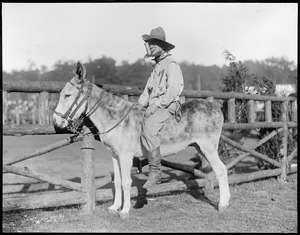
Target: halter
point(73, 126)
point(69, 114)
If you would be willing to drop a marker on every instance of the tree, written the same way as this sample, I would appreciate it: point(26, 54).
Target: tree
point(279, 70)
point(209, 76)
point(103, 70)
point(63, 71)
point(23, 75)
point(135, 74)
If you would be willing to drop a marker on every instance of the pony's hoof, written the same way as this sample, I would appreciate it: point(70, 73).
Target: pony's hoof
point(222, 208)
point(112, 210)
point(124, 215)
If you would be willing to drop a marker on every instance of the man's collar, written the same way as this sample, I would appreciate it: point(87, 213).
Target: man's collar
point(163, 56)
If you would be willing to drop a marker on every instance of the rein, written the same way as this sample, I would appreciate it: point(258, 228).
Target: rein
point(73, 126)
point(105, 132)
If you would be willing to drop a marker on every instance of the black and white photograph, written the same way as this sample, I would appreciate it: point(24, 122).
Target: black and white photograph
point(149, 117)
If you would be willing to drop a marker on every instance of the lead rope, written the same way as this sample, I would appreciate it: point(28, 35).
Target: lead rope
point(107, 131)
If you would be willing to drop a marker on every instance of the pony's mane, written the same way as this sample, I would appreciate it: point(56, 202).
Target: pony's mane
point(111, 101)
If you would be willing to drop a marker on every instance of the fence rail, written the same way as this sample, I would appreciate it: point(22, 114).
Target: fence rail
point(131, 93)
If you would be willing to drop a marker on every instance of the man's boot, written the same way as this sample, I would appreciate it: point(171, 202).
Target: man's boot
point(154, 177)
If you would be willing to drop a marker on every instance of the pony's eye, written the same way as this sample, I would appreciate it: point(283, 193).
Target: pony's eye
point(66, 96)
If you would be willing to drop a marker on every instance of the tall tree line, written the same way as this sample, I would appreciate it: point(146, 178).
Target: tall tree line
point(105, 71)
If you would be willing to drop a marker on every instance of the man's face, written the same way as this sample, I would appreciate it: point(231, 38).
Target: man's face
point(156, 47)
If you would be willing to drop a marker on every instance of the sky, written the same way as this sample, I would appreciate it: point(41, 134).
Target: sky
point(43, 33)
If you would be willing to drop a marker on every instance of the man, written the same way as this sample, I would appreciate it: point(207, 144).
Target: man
point(160, 98)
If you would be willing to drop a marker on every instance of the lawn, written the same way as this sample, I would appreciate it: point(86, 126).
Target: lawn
point(260, 206)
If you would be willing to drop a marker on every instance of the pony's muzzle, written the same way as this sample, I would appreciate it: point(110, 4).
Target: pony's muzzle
point(58, 121)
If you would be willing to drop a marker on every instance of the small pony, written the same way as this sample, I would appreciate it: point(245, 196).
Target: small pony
point(119, 127)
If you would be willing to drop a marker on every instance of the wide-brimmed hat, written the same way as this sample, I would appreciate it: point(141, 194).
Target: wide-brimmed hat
point(158, 34)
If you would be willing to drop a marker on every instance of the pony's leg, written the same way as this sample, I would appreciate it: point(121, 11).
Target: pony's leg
point(211, 153)
point(126, 164)
point(117, 184)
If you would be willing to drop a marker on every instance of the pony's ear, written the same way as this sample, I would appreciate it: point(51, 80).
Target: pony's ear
point(80, 71)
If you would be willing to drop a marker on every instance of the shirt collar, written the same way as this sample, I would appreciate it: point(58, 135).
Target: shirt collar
point(163, 56)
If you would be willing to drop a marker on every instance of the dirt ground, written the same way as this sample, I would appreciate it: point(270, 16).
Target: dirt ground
point(260, 206)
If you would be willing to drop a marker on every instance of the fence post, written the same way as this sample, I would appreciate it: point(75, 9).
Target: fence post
point(231, 110)
point(284, 162)
point(44, 108)
point(294, 111)
point(268, 111)
point(4, 106)
point(33, 119)
point(251, 111)
point(294, 116)
point(88, 171)
point(18, 115)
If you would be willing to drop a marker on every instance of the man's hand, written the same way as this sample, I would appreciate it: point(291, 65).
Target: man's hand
point(150, 110)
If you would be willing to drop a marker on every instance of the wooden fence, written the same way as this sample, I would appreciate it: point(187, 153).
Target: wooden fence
point(89, 190)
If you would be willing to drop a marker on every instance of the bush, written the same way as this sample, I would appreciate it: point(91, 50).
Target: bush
point(238, 79)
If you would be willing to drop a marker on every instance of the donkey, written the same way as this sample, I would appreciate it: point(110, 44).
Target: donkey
point(119, 127)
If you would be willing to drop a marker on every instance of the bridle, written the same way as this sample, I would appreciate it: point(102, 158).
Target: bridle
point(68, 115)
point(73, 126)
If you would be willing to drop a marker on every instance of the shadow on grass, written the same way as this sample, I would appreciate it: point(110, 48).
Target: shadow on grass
point(192, 189)
point(198, 193)
point(26, 187)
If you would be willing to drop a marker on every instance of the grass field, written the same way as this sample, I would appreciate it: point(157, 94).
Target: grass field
point(260, 206)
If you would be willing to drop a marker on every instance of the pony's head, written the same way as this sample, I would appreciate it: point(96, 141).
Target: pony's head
point(73, 100)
